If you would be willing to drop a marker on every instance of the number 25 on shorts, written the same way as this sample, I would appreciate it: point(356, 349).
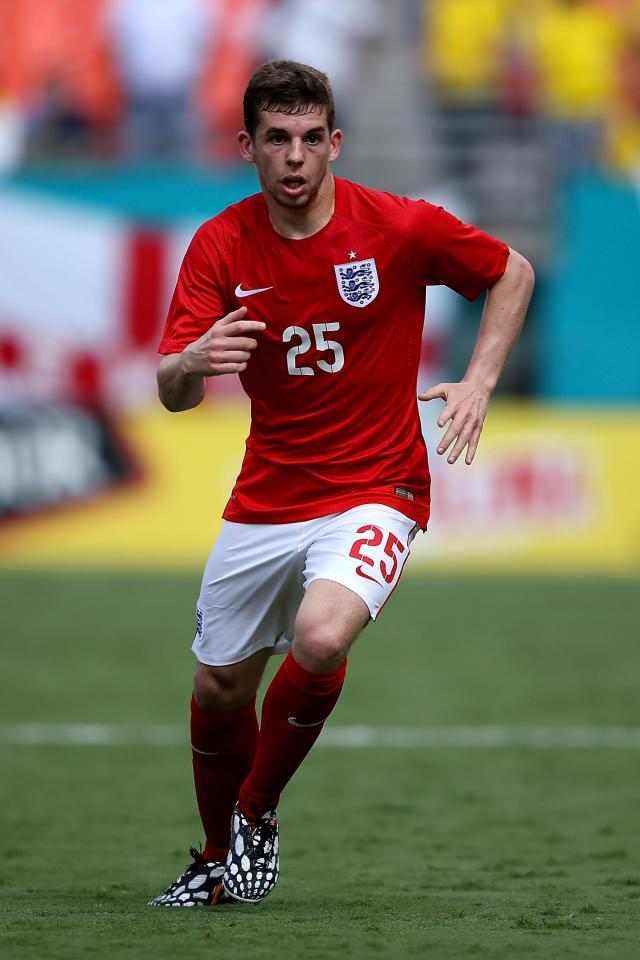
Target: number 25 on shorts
point(392, 549)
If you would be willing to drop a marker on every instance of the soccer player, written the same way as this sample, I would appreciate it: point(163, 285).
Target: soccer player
point(312, 291)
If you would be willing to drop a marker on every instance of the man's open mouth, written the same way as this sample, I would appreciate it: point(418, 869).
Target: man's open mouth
point(293, 183)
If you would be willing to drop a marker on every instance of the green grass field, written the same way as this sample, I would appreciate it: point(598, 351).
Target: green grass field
point(440, 852)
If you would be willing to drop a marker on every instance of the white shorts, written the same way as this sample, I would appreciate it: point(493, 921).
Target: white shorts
point(256, 576)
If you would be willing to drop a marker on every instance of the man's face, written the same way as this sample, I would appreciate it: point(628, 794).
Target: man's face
point(292, 154)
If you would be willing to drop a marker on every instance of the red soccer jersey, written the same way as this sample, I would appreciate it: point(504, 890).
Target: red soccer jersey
point(332, 383)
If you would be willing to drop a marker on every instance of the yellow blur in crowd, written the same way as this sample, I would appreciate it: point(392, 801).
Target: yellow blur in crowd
point(577, 47)
point(463, 39)
point(582, 59)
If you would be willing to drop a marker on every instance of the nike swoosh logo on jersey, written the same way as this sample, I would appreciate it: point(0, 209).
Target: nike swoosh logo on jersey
point(294, 723)
point(249, 293)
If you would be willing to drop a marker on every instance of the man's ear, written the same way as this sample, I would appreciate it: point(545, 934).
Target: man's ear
point(336, 143)
point(245, 146)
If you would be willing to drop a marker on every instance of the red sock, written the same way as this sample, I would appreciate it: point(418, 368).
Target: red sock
point(223, 747)
point(295, 694)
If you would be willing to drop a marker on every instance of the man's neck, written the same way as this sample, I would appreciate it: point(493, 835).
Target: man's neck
point(298, 224)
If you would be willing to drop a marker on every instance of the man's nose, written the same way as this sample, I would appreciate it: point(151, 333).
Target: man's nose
point(295, 153)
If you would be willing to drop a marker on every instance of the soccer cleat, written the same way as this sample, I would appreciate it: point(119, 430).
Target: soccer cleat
point(253, 864)
point(199, 886)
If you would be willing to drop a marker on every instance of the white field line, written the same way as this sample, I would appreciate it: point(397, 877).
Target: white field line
point(424, 738)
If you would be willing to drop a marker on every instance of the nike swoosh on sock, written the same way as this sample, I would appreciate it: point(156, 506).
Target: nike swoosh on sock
point(294, 723)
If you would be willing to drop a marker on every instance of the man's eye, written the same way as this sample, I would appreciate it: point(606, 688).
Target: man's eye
point(313, 140)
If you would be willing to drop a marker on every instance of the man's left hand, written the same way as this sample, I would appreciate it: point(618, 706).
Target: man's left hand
point(466, 407)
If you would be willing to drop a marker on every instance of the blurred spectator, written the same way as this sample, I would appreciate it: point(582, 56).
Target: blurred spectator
point(54, 65)
point(330, 36)
point(12, 135)
point(577, 45)
point(462, 44)
point(462, 49)
point(518, 76)
point(239, 36)
point(160, 49)
point(623, 127)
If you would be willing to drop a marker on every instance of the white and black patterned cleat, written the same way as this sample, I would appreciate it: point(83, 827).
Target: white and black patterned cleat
point(253, 864)
point(199, 886)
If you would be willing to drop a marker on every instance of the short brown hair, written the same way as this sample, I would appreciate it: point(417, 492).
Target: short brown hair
point(289, 87)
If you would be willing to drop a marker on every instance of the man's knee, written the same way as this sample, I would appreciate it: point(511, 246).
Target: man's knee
point(219, 691)
point(320, 646)
point(329, 619)
point(222, 689)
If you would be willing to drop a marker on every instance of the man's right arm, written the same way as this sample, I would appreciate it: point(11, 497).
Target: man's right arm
point(225, 348)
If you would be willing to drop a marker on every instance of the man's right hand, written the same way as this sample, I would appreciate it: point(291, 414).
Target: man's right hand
point(225, 348)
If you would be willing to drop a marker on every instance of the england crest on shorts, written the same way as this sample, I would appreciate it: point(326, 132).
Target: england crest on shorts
point(358, 282)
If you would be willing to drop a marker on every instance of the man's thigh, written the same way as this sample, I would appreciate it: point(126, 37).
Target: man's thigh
point(250, 594)
point(363, 549)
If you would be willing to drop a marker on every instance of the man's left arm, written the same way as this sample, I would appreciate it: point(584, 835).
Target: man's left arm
point(466, 402)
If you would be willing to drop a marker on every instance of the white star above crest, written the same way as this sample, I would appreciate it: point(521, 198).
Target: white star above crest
point(352, 255)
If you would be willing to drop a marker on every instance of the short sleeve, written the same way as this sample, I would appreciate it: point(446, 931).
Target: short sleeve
point(447, 251)
point(198, 300)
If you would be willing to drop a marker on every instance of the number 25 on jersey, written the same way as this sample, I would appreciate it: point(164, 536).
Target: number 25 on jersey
point(332, 365)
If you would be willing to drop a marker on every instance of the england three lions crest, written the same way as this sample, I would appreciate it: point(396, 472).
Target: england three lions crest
point(358, 282)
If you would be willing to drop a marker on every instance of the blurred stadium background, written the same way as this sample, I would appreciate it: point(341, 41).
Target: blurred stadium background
point(117, 138)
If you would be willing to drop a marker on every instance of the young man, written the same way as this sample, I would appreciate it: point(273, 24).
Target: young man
point(312, 291)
